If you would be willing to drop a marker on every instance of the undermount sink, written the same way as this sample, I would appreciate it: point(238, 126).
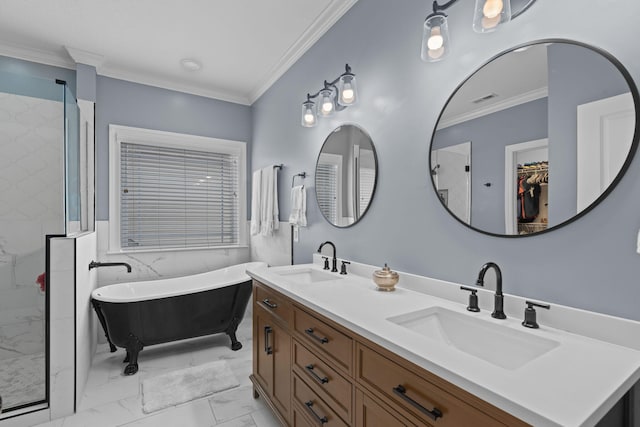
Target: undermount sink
point(505, 347)
point(308, 275)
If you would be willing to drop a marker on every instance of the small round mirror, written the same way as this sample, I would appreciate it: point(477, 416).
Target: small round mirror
point(535, 138)
point(346, 175)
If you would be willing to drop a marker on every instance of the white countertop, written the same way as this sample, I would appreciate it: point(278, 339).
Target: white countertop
point(574, 384)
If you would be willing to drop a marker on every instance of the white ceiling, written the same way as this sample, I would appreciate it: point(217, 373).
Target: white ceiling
point(244, 46)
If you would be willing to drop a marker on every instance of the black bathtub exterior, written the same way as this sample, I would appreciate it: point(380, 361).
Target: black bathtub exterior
point(135, 325)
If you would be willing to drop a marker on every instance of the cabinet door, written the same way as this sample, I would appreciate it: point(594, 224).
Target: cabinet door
point(263, 349)
point(370, 414)
point(281, 391)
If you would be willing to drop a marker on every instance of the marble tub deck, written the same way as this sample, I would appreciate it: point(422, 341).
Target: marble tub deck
point(112, 399)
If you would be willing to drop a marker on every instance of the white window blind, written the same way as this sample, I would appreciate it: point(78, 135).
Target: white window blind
point(327, 190)
point(367, 182)
point(177, 198)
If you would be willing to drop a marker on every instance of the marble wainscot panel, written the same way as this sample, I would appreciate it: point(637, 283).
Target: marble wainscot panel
point(162, 264)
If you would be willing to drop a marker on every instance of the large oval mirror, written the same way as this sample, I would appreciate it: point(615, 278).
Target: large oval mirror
point(535, 138)
point(346, 174)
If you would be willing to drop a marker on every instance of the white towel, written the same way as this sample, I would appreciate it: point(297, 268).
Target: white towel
point(269, 217)
point(256, 205)
point(298, 214)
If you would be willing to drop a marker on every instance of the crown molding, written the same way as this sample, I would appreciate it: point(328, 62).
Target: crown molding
point(36, 55)
point(493, 108)
point(171, 84)
point(332, 13)
point(68, 59)
point(84, 57)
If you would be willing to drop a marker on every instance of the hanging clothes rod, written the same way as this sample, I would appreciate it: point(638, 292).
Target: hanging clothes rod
point(280, 166)
point(293, 178)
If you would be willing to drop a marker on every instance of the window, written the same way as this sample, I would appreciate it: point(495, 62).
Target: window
point(329, 185)
point(174, 191)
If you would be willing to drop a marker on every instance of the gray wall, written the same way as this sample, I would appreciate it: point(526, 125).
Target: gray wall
point(131, 104)
point(489, 135)
point(591, 264)
point(576, 76)
point(86, 76)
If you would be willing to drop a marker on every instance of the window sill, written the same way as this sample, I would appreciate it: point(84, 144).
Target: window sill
point(150, 250)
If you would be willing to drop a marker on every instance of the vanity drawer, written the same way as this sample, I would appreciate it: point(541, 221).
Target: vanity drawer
point(314, 407)
point(323, 379)
point(372, 413)
point(318, 335)
point(273, 302)
point(417, 396)
point(298, 419)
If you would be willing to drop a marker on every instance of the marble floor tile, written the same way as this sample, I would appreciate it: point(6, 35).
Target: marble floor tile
point(128, 386)
point(113, 399)
point(196, 413)
point(111, 414)
point(243, 421)
point(22, 380)
point(265, 418)
point(233, 403)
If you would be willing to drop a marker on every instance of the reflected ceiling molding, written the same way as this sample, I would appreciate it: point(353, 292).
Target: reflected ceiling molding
point(495, 107)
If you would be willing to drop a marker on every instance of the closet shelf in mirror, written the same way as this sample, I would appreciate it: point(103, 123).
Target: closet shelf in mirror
point(525, 170)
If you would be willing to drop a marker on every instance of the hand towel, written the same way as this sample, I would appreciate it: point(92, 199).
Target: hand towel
point(256, 205)
point(298, 214)
point(269, 218)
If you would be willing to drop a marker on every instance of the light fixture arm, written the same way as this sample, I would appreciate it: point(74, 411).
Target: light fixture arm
point(437, 7)
point(332, 83)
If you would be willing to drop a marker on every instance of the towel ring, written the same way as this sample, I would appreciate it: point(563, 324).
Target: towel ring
point(293, 178)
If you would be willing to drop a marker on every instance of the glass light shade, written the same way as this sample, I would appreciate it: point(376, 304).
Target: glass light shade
point(488, 14)
point(347, 91)
point(309, 118)
point(435, 38)
point(326, 106)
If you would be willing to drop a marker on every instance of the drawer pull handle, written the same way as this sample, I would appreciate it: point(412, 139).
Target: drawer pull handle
point(267, 347)
point(321, 340)
point(320, 419)
point(269, 303)
point(434, 414)
point(321, 380)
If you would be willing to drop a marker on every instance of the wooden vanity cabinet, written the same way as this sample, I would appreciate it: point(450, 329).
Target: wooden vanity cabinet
point(272, 351)
point(331, 376)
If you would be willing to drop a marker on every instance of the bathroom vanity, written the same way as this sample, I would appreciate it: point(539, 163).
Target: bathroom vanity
point(331, 350)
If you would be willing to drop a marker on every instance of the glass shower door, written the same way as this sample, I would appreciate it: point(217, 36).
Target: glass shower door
point(31, 206)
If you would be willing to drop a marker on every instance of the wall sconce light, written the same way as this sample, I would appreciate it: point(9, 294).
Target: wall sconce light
point(487, 17)
point(334, 96)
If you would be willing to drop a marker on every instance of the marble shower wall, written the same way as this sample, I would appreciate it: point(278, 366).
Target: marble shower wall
point(31, 194)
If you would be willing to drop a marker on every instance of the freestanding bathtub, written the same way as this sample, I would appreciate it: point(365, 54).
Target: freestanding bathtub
point(138, 314)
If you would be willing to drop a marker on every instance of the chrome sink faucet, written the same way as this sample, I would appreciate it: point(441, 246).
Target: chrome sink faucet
point(498, 310)
point(335, 260)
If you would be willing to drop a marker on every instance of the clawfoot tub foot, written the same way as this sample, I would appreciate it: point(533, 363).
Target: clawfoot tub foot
point(134, 346)
point(235, 344)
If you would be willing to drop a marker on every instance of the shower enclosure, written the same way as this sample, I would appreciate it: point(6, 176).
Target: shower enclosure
point(39, 196)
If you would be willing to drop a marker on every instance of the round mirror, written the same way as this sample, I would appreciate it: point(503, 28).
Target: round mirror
point(535, 138)
point(346, 174)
